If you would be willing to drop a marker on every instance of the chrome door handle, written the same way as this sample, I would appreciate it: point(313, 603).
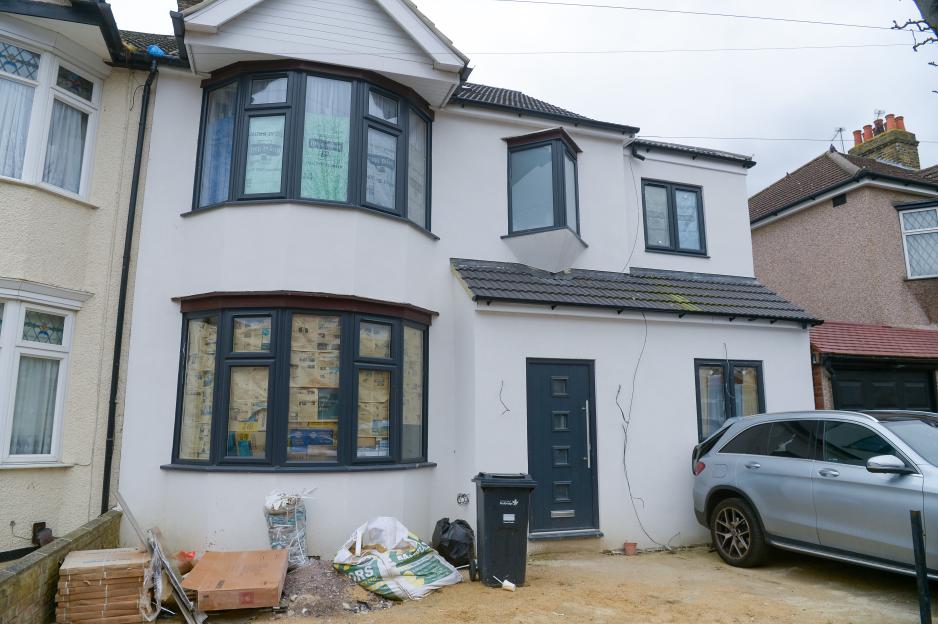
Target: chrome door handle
point(828, 472)
point(589, 444)
point(753, 465)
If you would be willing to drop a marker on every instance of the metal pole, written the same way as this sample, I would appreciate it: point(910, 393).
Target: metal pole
point(918, 545)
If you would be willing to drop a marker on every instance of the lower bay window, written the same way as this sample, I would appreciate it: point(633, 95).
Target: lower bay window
point(295, 387)
point(727, 388)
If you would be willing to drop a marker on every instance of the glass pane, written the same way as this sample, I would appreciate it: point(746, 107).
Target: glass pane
point(657, 228)
point(558, 386)
point(16, 104)
point(195, 435)
point(532, 189)
point(570, 192)
point(326, 139)
point(34, 409)
point(19, 61)
point(920, 220)
point(313, 422)
point(74, 83)
point(374, 340)
point(250, 334)
point(752, 441)
point(382, 169)
point(247, 411)
point(382, 107)
point(218, 144)
point(746, 390)
point(688, 220)
point(412, 435)
point(792, 439)
point(44, 328)
point(374, 413)
point(66, 147)
point(712, 398)
point(847, 443)
point(262, 171)
point(923, 254)
point(268, 90)
point(417, 170)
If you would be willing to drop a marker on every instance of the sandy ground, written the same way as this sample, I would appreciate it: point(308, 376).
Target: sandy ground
point(691, 585)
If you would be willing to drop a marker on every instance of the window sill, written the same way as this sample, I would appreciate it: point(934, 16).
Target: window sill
point(34, 465)
point(676, 252)
point(919, 279)
point(51, 190)
point(308, 202)
point(292, 469)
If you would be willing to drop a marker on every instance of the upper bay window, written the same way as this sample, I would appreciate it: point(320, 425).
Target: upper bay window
point(48, 110)
point(920, 238)
point(299, 135)
point(674, 220)
point(542, 180)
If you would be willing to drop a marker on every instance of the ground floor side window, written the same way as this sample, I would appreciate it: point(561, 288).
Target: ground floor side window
point(727, 388)
point(293, 387)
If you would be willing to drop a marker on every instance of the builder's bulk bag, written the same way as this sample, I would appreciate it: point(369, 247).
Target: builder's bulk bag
point(385, 558)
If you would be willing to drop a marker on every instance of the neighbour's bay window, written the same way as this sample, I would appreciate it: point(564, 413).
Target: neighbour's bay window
point(727, 388)
point(920, 239)
point(674, 220)
point(304, 135)
point(48, 111)
point(542, 179)
point(295, 385)
point(34, 348)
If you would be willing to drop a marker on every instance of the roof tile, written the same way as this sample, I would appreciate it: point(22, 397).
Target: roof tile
point(839, 338)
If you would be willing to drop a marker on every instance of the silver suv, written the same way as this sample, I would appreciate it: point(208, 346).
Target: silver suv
point(834, 484)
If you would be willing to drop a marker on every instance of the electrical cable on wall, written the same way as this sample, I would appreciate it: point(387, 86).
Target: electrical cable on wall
point(507, 409)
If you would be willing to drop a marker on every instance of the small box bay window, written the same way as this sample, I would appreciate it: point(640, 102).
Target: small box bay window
point(542, 180)
point(293, 386)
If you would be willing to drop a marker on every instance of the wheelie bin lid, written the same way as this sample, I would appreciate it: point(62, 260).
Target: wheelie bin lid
point(505, 480)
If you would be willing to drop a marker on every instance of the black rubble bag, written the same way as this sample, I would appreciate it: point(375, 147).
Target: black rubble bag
point(455, 541)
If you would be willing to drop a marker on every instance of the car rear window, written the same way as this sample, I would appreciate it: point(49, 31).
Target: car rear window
point(793, 439)
point(752, 441)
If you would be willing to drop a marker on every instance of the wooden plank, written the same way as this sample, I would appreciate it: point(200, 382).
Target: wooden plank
point(238, 580)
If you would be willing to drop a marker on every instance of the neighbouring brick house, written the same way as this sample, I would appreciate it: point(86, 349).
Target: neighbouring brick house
point(853, 238)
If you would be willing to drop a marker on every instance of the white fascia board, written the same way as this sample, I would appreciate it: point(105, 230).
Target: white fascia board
point(531, 120)
point(687, 160)
point(881, 184)
point(35, 292)
point(433, 43)
point(208, 18)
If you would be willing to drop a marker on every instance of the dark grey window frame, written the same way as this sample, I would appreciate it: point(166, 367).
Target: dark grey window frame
point(559, 147)
point(728, 389)
point(294, 109)
point(278, 361)
point(673, 246)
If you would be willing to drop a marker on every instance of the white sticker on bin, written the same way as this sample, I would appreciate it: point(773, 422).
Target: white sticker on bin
point(508, 518)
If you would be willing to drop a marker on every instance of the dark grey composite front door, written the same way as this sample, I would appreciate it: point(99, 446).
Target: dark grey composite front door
point(561, 445)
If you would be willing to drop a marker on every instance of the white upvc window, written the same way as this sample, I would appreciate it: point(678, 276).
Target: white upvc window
point(34, 349)
point(48, 115)
point(920, 241)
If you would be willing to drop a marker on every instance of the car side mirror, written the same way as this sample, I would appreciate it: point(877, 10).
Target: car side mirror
point(887, 464)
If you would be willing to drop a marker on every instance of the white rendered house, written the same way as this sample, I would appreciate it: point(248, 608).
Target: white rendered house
point(361, 274)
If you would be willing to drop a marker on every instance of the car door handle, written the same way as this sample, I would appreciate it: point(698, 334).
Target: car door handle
point(828, 472)
point(753, 465)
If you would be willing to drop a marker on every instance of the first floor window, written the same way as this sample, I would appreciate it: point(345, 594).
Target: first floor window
point(673, 217)
point(34, 344)
point(920, 233)
point(727, 388)
point(296, 387)
point(542, 179)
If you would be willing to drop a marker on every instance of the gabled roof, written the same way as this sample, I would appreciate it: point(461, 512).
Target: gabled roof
point(838, 338)
point(517, 102)
point(705, 152)
point(641, 290)
point(826, 173)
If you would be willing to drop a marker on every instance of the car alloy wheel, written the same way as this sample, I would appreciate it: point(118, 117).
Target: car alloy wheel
point(733, 533)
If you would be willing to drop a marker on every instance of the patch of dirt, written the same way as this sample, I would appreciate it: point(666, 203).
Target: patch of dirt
point(318, 590)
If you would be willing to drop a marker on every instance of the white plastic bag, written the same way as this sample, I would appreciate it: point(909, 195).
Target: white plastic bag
point(385, 558)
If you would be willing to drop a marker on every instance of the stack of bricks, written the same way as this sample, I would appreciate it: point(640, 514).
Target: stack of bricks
point(102, 586)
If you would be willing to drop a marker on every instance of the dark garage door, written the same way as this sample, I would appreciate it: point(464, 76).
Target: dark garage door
point(883, 389)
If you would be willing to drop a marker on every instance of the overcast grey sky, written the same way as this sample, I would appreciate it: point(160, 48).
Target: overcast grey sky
point(803, 94)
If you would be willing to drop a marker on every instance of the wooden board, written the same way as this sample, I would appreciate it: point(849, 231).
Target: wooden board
point(238, 580)
point(83, 561)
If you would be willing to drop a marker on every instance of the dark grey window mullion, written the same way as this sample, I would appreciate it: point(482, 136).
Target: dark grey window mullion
point(397, 392)
point(239, 141)
point(279, 402)
point(672, 218)
point(403, 160)
point(556, 155)
point(576, 189)
point(293, 134)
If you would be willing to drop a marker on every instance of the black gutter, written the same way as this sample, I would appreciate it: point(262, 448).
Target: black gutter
point(122, 293)
point(179, 31)
point(922, 203)
point(76, 13)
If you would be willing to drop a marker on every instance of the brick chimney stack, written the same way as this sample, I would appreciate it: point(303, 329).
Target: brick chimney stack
point(888, 141)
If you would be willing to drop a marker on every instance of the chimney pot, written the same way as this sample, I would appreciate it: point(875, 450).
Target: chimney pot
point(900, 122)
point(890, 122)
point(867, 132)
point(857, 137)
point(878, 127)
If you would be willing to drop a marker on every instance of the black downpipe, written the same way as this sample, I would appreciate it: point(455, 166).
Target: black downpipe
point(122, 294)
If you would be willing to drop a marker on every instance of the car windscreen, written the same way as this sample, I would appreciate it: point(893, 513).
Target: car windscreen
point(919, 433)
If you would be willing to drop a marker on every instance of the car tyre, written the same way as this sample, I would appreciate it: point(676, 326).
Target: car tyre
point(737, 534)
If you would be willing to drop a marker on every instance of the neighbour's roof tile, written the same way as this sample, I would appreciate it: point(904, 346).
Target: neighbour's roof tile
point(746, 161)
point(507, 99)
point(835, 337)
point(185, 4)
point(644, 290)
point(141, 41)
point(825, 173)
